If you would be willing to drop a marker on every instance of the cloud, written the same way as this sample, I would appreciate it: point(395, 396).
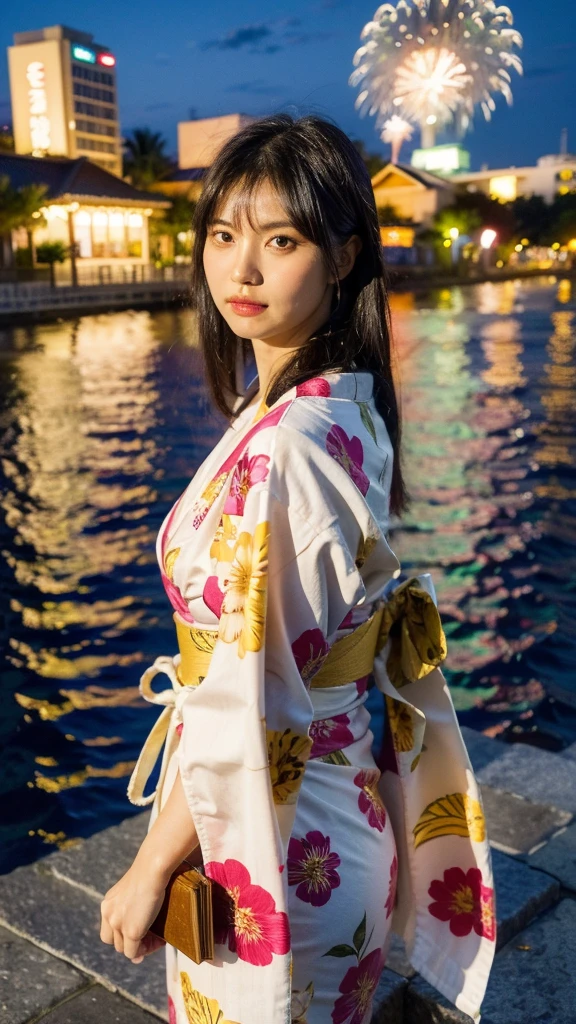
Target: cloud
point(246, 35)
point(257, 87)
point(264, 37)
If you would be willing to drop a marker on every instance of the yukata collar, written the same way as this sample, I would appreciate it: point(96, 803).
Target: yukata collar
point(357, 385)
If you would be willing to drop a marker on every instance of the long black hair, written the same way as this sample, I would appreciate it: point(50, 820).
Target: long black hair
point(325, 188)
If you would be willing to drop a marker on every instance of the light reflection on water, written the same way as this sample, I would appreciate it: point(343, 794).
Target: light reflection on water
point(104, 420)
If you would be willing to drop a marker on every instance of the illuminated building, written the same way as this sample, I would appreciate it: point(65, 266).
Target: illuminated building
point(414, 194)
point(200, 140)
point(64, 98)
point(104, 216)
point(550, 175)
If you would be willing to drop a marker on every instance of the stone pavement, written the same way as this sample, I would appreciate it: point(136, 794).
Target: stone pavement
point(54, 969)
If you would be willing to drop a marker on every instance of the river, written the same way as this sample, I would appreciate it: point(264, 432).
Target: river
point(104, 419)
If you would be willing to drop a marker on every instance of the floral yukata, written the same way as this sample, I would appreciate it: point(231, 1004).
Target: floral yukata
point(316, 851)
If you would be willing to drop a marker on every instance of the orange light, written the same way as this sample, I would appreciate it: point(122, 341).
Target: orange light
point(107, 60)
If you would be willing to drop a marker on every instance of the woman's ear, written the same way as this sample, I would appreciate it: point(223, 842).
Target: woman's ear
point(346, 256)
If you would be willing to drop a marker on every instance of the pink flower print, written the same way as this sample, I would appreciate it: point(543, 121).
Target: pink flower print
point(245, 915)
point(391, 898)
point(464, 901)
point(309, 651)
point(176, 600)
point(249, 470)
point(314, 386)
point(348, 451)
point(312, 867)
point(348, 620)
point(362, 684)
point(369, 800)
point(328, 734)
point(357, 989)
point(173, 1019)
point(213, 596)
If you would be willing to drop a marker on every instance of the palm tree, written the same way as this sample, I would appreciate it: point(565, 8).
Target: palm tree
point(19, 208)
point(145, 160)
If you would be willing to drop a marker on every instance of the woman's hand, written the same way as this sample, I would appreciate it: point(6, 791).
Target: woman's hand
point(128, 909)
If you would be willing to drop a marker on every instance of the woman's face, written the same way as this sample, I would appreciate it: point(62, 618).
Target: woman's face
point(271, 265)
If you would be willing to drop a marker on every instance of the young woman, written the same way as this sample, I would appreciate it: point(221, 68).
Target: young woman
point(288, 605)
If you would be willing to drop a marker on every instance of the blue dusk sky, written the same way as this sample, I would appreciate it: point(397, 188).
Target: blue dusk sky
point(178, 60)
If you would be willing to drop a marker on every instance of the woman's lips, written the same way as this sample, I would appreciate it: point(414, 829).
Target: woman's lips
point(247, 308)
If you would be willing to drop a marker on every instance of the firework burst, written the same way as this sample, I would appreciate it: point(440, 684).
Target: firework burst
point(432, 61)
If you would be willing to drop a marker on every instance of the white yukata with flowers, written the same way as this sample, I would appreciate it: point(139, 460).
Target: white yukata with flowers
point(316, 852)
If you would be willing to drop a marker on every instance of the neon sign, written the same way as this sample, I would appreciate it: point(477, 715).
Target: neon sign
point(81, 53)
point(107, 60)
point(38, 108)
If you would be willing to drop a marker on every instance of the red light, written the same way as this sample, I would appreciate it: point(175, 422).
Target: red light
point(107, 60)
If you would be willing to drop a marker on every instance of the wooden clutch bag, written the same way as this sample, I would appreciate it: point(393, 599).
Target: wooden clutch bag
point(185, 917)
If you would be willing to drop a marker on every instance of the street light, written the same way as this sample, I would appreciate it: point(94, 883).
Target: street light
point(486, 239)
point(454, 233)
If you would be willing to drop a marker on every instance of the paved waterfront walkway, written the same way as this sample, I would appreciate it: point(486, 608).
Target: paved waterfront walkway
point(54, 969)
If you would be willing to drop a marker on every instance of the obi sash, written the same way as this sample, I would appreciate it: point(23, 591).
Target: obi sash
point(408, 618)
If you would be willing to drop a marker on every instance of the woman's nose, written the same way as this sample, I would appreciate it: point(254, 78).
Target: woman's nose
point(246, 267)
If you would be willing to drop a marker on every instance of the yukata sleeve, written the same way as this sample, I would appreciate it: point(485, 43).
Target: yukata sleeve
point(285, 586)
point(445, 909)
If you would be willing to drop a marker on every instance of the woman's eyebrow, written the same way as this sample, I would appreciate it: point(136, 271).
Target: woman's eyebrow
point(263, 227)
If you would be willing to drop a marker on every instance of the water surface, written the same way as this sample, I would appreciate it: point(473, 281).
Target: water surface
point(105, 418)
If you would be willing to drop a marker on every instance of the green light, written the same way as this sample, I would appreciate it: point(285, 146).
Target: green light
point(81, 53)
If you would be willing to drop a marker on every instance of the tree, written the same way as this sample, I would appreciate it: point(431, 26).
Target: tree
point(6, 139)
point(145, 160)
point(374, 161)
point(532, 217)
point(562, 223)
point(173, 222)
point(51, 253)
point(19, 208)
point(388, 215)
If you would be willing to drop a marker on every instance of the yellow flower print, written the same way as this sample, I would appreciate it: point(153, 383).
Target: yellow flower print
point(244, 605)
point(222, 547)
point(169, 559)
point(400, 724)
point(365, 547)
point(287, 756)
point(212, 490)
point(456, 814)
point(200, 1009)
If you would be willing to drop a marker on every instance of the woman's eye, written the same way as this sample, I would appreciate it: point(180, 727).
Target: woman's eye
point(283, 238)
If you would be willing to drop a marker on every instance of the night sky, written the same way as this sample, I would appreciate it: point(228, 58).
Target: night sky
point(179, 59)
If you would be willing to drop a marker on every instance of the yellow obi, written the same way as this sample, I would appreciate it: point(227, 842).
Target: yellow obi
point(408, 618)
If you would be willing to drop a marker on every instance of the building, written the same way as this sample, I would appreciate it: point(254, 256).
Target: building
point(64, 97)
point(552, 174)
point(415, 196)
point(200, 140)
point(105, 217)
